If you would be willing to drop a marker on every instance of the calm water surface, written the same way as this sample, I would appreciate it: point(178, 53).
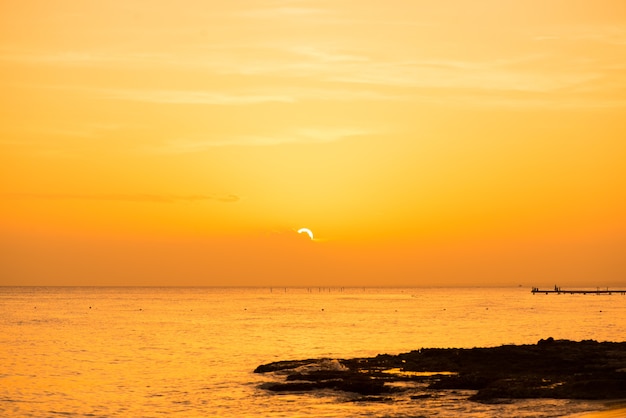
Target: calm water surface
point(153, 352)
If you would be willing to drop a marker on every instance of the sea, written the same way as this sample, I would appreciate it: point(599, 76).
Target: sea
point(191, 352)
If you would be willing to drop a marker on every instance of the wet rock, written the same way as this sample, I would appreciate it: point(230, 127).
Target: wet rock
point(347, 382)
point(373, 399)
point(549, 369)
point(422, 396)
point(284, 365)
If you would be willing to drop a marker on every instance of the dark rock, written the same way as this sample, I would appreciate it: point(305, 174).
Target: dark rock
point(297, 386)
point(422, 396)
point(349, 383)
point(548, 340)
point(549, 369)
point(318, 375)
point(468, 381)
point(284, 365)
point(373, 399)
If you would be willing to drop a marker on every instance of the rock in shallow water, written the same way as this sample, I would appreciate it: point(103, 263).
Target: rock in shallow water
point(550, 369)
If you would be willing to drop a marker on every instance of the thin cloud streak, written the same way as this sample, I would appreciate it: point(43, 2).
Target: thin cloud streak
point(280, 95)
point(327, 65)
point(194, 97)
point(78, 58)
point(138, 197)
point(352, 65)
point(298, 136)
point(282, 12)
point(283, 94)
point(612, 35)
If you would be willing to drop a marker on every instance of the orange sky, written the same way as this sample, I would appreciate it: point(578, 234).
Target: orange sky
point(424, 143)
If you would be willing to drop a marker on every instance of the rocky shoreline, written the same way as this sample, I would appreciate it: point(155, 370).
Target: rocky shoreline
point(560, 369)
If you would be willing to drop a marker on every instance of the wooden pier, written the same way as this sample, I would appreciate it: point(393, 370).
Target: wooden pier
point(558, 291)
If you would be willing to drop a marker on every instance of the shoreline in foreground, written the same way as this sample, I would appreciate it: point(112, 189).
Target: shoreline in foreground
point(559, 369)
point(614, 409)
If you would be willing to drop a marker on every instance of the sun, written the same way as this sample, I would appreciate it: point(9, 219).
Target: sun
point(306, 231)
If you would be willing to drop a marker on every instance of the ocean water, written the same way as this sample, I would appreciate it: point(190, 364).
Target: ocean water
point(191, 352)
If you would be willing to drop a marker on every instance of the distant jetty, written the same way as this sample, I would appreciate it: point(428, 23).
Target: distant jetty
point(558, 290)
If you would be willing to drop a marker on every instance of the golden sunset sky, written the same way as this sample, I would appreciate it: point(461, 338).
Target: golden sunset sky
point(424, 143)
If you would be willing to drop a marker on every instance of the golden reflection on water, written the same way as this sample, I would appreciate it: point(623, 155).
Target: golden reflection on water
point(400, 372)
point(191, 352)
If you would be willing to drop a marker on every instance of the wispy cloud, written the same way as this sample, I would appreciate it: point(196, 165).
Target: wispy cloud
point(283, 59)
point(281, 12)
point(137, 197)
point(297, 136)
point(344, 76)
point(282, 94)
point(275, 69)
point(326, 64)
point(86, 131)
point(610, 35)
point(195, 97)
point(481, 99)
point(485, 75)
point(326, 55)
point(80, 58)
point(259, 95)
